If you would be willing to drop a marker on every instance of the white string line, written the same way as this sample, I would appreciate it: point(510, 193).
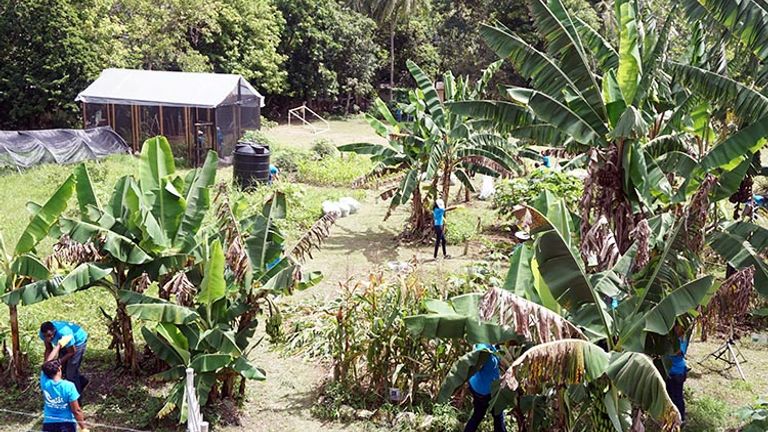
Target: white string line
point(99, 425)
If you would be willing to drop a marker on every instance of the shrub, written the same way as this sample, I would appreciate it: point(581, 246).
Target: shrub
point(524, 190)
point(323, 148)
point(333, 171)
point(267, 124)
point(460, 226)
point(261, 138)
point(288, 159)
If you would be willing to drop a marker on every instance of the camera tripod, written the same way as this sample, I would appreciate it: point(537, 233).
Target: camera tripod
point(730, 354)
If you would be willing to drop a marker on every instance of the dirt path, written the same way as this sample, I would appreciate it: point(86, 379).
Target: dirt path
point(357, 244)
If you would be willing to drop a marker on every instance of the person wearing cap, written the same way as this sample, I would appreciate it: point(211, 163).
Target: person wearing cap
point(69, 342)
point(61, 410)
point(274, 173)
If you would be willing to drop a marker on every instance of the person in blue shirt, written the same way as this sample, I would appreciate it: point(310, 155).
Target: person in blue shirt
point(678, 372)
point(480, 386)
point(61, 410)
point(438, 221)
point(73, 340)
point(274, 173)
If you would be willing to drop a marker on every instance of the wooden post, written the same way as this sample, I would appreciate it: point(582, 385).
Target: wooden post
point(85, 119)
point(186, 132)
point(161, 120)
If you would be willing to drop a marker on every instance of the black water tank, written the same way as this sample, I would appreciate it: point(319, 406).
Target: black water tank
point(251, 165)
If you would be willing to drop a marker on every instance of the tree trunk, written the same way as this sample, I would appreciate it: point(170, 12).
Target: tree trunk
point(126, 331)
point(392, 60)
point(17, 356)
point(446, 182)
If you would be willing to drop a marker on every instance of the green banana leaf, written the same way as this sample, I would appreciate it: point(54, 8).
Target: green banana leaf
point(163, 313)
point(458, 327)
point(44, 219)
point(662, 317)
point(636, 377)
point(462, 369)
point(83, 276)
point(198, 201)
point(174, 356)
point(84, 188)
point(156, 163)
point(209, 362)
point(434, 106)
point(172, 334)
point(30, 266)
point(556, 113)
point(213, 287)
point(248, 370)
point(222, 341)
point(519, 277)
point(630, 64)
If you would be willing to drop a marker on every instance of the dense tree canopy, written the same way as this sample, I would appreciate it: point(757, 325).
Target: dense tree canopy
point(320, 52)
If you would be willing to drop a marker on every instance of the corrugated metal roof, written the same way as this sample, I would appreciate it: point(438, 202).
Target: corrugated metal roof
point(146, 87)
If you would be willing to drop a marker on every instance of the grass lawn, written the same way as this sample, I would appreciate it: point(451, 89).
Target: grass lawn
point(358, 244)
point(348, 131)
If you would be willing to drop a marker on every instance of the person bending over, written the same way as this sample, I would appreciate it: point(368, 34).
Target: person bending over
point(480, 386)
point(61, 411)
point(72, 340)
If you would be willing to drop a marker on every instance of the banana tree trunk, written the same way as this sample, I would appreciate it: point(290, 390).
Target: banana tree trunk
point(126, 331)
point(446, 182)
point(17, 370)
point(392, 60)
point(419, 218)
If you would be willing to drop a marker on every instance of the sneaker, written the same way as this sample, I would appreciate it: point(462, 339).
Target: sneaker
point(446, 257)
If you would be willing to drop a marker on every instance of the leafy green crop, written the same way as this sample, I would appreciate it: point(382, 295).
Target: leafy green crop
point(523, 190)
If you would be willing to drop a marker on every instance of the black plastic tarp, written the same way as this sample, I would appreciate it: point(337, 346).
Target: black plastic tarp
point(23, 149)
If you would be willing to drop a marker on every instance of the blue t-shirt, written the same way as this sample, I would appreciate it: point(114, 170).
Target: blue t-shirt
point(482, 380)
point(759, 200)
point(57, 396)
point(546, 161)
point(66, 328)
point(678, 360)
point(438, 214)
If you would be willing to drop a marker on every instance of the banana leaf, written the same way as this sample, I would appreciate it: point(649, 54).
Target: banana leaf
point(30, 266)
point(209, 362)
point(213, 287)
point(44, 219)
point(248, 370)
point(741, 254)
point(636, 377)
point(458, 327)
point(662, 317)
point(83, 276)
point(84, 188)
point(174, 356)
point(163, 313)
point(462, 369)
point(198, 201)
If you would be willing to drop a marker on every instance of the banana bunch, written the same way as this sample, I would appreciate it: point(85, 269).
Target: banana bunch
point(600, 420)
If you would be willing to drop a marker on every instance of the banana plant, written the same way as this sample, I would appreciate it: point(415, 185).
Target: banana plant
point(148, 232)
point(628, 307)
point(437, 144)
point(399, 163)
point(551, 354)
point(213, 333)
point(26, 278)
point(632, 110)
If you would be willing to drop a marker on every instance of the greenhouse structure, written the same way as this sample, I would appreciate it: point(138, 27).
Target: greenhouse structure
point(195, 111)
